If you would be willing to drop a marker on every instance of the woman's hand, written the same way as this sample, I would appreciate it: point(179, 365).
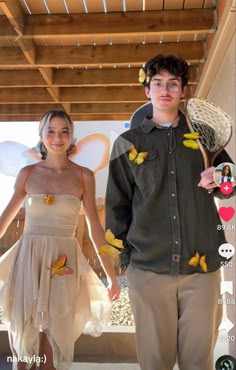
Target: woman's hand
point(113, 290)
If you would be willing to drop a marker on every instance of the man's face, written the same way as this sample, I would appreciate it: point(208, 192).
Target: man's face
point(165, 91)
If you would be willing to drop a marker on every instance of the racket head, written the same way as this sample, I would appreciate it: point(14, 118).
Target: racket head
point(213, 124)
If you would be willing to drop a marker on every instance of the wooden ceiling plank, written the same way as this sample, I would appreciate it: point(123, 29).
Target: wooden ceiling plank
point(77, 117)
point(118, 54)
point(105, 95)
point(114, 6)
point(208, 4)
point(12, 57)
point(36, 7)
point(6, 29)
point(154, 5)
point(102, 94)
point(23, 78)
point(94, 6)
point(173, 4)
point(14, 13)
point(104, 108)
point(20, 109)
point(35, 95)
point(102, 77)
point(75, 6)
point(28, 48)
point(47, 74)
point(17, 18)
point(56, 7)
point(83, 25)
point(54, 92)
point(134, 5)
point(191, 4)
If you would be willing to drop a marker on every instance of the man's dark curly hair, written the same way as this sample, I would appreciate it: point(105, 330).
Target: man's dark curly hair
point(170, 63)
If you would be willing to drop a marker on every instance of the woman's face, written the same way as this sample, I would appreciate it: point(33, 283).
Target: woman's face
point(226, 170)
point(58, 138)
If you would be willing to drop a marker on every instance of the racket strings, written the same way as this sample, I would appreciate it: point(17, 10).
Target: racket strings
point(213, 124)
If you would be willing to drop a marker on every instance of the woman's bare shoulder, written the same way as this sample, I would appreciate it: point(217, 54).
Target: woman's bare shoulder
point(85, 171)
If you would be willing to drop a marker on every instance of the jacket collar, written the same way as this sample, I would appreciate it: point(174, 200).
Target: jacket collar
point(148, 125)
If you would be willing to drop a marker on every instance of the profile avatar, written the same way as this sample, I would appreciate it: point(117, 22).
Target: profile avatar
point(225, 173)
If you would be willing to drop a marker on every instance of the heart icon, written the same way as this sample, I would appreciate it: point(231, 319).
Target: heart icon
point(226, 213)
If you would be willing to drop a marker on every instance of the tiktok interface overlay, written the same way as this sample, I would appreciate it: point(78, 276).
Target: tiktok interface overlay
point(225, 178)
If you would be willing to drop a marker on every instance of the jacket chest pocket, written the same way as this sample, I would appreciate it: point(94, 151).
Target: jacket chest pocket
point(147, 174)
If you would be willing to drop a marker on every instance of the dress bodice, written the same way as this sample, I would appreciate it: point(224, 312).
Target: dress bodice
point(62, 213)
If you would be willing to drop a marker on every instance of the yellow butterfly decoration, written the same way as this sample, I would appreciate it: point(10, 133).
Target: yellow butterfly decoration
point(192, 135)
point(142, 77)
point(136, 157)
point(48, 199)
point(191, 140)
point(197, 260)
point(114, 246)
point(59, 267)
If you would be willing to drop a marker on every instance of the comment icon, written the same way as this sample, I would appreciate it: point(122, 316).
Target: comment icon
point(226, 250)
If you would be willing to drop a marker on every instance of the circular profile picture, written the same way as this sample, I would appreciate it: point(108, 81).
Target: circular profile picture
point(225, 172)
point(226, 362)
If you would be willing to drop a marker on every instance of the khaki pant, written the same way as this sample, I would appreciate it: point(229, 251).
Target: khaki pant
point(175, 317)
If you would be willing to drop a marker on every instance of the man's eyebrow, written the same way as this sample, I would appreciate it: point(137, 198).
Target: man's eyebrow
point(160, 79)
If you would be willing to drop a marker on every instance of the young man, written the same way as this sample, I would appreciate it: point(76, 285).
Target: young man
point(157, 203)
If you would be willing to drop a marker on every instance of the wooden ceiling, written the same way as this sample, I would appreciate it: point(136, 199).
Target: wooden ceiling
point(83, 56)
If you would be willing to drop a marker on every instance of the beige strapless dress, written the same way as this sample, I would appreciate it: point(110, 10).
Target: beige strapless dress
point(46, 283)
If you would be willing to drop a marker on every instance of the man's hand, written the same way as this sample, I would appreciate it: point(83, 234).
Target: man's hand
point(207, 179)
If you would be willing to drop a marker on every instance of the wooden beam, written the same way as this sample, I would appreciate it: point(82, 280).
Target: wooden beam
point(111, 94)
point(62, 26)
point(95, 108)
point(21, 77)
point(102, 94)
point(36, 95)
point(14, 13)
point(12, 56)
point(16, 17)
point(116, 54)
point(103, 76)
point(27, 109)
point(121, 55)
point(223, 37)
point(75, 77)
point(37, 109)
point(76, 117)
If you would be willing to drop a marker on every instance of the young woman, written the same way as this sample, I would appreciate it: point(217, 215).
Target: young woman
point(226, 175)
point(48, 292)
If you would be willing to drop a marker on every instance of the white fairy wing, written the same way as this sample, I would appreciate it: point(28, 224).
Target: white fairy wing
point(92, 152)
point(14, 156)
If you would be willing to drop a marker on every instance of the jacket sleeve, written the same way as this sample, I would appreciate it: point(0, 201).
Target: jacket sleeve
point(223, 157)
point(119, 195)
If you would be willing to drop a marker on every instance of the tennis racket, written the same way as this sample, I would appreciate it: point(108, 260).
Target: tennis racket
point(213, 125)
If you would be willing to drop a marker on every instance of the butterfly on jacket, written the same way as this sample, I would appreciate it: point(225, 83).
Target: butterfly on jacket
point(197, 260)
point(190, 141)
point(59, 267)
point(114, 246)
point(136, 157)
